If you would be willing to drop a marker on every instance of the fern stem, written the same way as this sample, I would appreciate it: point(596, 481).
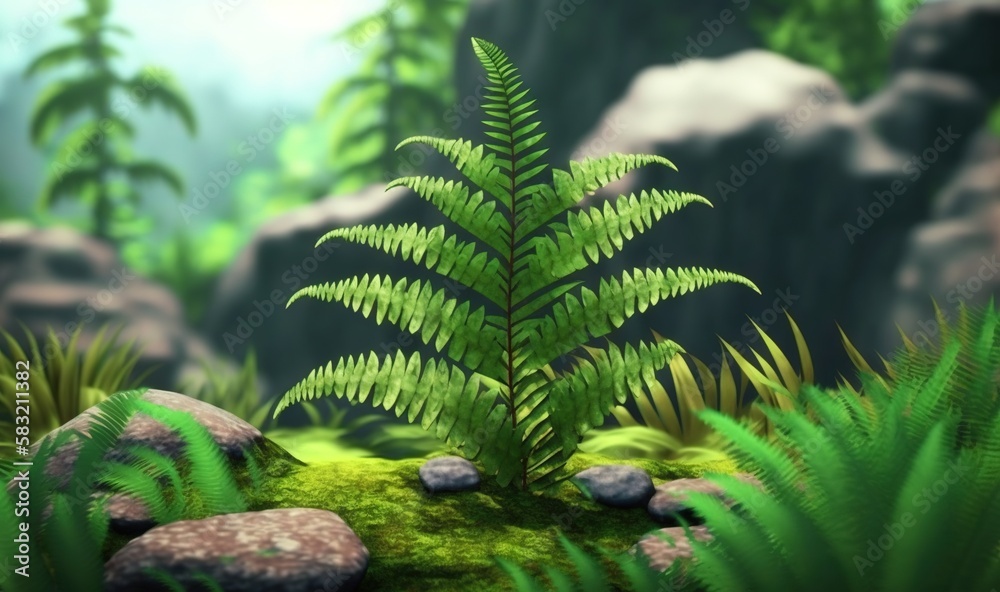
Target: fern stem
point(510, 276)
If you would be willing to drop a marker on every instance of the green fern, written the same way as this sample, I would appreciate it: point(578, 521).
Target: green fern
point(860, 497)
point(497, 398)
point(95, 152)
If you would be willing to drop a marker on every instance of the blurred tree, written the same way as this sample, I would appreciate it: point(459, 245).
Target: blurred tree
point(94, 163)
point(402, 86)
point(850, 39)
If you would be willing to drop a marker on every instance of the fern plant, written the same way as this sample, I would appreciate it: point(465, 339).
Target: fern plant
point(94, 158)
point(860, 497)
point(498, 398)
point(69, 525)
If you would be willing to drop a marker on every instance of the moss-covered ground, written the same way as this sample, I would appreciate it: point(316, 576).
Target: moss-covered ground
point(447, 542)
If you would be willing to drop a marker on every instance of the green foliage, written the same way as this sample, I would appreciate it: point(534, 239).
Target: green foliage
point(401, 86)
point(850, 39)
point(498, 398)
point(68, 523)
point(670, 429)
point(993, 124)
point(64, 381)
point(862, 497)
point(94, 163)
point(592, 576)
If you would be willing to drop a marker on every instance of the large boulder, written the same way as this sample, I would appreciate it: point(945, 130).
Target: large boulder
point(958, 37)
point(291, 550)
point(61, 279)
point(953, 257)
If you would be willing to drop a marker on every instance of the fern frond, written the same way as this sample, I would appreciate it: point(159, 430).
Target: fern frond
point(457, 407)
point(482, 169)
point(595, 232)
point(417, 308)
point(510, 113)
point(583, 178)
point(442, 253)
point(577, 320)
point(468, 211)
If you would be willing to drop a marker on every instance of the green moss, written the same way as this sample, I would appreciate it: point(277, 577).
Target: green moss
point(447, 542)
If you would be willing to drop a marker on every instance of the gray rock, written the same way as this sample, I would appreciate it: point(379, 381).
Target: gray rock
point(292, 550)
point(952, 257)
point(619, 486)
point(449, 474)
point(954, 37)
point(61, 279)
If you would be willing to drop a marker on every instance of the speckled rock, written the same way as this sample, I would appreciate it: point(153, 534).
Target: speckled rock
point(448, 474)
point(661, 553)
point(128, 515)
point(619, 486)
point(287, 550)
point(233, 435)
point(671, 497)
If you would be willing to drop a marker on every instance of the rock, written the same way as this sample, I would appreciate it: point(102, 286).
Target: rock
point(552, 44)
point(292, 550)
point(790, 133)
point(129, 515)
point(233, 435)
point(619, 486)
point(952, 257)
point(955, 37)
point(449, 474)
point(671, 497)
point(60, 278)
point(663, 553)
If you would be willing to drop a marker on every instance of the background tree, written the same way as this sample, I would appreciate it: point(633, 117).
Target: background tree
point(95, 163)
point(402, 86)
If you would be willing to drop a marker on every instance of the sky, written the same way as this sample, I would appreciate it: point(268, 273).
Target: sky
point(255, 50)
